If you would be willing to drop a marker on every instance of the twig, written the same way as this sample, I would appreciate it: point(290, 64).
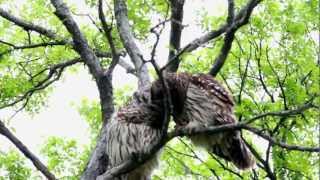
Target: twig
point(54, 69)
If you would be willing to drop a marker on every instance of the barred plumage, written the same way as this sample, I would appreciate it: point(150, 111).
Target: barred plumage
point(134, 129)
point(207, 103)
point(198, 100)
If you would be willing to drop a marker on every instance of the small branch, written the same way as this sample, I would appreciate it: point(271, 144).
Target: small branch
point(281, 144)
point(261, 76)
point(158, 33)
point(264, 164)
point(279, 81)
point(121, 62)
point(30, 46)
point(54, 69)
point(36, 162)
point(224, 167)
point(238, 22)
point(108, 33)
point(285, 113)
point(195, 156)
point(188, 170)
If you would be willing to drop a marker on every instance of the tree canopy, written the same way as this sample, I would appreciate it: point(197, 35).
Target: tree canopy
point(266, 53)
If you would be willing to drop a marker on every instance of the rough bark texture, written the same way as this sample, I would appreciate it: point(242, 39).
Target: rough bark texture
point(175, 32)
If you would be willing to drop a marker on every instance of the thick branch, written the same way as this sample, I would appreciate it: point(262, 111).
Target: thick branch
point(36, 162)
point(120, 9)
point(138, 159)
point(239, 20)
point(220, 60)
point(80, 43)
point(127, 67)
point(175, 32)
point(27, 25)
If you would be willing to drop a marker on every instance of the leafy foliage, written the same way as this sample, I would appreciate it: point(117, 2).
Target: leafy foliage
point(13, 166)
point(273, 66)
point(64, 157)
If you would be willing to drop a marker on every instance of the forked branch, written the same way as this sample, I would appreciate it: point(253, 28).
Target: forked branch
point(120, 11)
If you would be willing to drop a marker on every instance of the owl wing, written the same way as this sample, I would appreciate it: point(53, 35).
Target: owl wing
point(209, 104)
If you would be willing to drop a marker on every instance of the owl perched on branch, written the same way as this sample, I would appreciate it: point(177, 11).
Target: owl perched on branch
point(134, 129)
point(197, 100)
point(200, 100)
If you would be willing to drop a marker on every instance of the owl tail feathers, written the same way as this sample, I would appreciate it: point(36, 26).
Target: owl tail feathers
point(236, 151)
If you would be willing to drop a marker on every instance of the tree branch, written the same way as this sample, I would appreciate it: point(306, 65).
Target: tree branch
point(234, 25)
point(108, 33)
point(97, 163)
point(80, 43)
point(281, 144)
point(238, 126)
point(120, 9)
point(265, 165)
point(175, 32)
point(36, 162)
point(285, 113)
point(30, 46)
point(27, 25)
point(53, 70)
point(138, 159)
point(239, 20)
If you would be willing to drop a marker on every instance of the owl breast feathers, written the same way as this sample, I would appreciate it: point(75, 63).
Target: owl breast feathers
point(198, 100)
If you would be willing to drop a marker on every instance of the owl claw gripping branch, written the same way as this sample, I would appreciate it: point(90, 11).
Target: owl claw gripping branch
point(198, 100)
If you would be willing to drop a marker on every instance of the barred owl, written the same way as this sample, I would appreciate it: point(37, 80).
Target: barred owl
point(197, 100)
point(200, 100)
point(134, 129)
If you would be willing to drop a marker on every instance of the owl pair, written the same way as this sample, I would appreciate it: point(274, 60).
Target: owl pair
point(197, 100)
